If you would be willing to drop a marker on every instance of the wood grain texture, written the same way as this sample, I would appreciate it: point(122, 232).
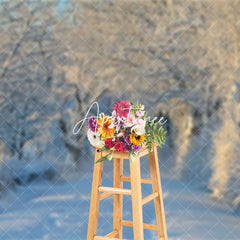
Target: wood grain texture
point(145, 225)
point(105, 195)
point(136, 193)
point(112, 234)
point(115, 190)
point(135, 173)
point(95, 198)
point(158, 201)
point(149, 198)
point(117, 198)
point(143, 180)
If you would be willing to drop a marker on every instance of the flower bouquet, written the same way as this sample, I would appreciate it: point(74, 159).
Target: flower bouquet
point(126, 130)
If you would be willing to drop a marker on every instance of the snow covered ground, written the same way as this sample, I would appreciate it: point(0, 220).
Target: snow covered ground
point(60, 211)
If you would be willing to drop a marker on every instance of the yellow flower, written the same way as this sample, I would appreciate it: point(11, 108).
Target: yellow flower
point(104, 122)
point(137, 139)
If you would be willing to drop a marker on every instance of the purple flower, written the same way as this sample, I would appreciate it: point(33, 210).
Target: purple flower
point(127, 140)
point(136, 148)
point(92, 124)
point(126, 148)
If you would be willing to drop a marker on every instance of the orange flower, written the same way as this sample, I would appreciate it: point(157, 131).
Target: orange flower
point(104, 122)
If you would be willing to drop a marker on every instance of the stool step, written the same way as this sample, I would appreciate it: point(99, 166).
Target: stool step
point(107, 238)
point(145, 225)
point(112, 234)
point(143, 180)
point(149, 198)
point(115, 190)
point(104, 195)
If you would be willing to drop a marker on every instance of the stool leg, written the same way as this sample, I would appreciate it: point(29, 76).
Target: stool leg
point(158, 201)
point(117, 198)
point(95, 198)
point(135, 173)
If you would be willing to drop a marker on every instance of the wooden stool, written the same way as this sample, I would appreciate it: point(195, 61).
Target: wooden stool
point(100, 192)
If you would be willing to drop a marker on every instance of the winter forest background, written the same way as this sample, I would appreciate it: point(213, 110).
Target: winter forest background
point(179, 58)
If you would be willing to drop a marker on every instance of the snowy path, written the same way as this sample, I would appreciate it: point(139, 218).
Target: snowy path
point(60, 212)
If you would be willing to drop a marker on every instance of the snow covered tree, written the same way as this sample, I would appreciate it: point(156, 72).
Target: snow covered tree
point(28, 48)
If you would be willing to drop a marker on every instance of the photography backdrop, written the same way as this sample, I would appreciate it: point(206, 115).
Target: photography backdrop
point(178, 58)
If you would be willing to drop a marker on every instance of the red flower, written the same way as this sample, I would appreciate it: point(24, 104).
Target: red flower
point(109, 143)
point(120, 146)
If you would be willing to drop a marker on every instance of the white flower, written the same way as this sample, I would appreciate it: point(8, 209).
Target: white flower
point(94, 138)
point(117, 121)
point(138, 129)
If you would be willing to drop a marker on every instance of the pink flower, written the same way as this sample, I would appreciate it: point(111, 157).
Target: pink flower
point(122, 108)
point(140, 122)
point(136, 148)
point(140, 113)
point(130, 121)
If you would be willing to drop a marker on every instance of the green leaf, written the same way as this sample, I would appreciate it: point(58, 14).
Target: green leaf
point(155, 127)
point(154, 135)
point(104, 148)
point(146, 116)
point(132, 156)
point(106, 157)
point(109, 156)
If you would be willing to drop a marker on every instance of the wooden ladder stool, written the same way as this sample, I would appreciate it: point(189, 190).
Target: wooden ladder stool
point(100, 192)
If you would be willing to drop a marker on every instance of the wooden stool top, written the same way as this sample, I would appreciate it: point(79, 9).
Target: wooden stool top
point(124, 155)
